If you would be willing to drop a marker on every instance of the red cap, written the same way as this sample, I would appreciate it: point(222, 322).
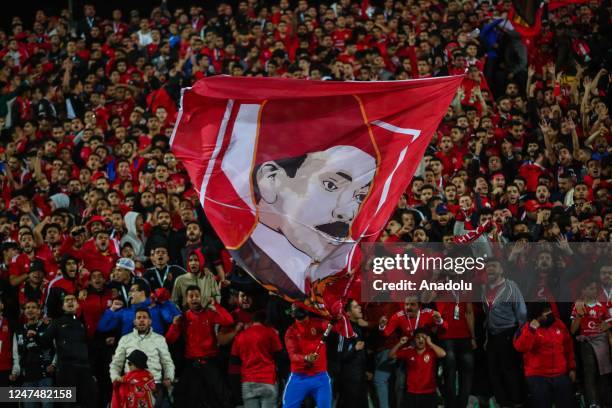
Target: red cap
point(95, 218)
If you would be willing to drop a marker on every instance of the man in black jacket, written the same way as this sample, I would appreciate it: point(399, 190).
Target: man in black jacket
point(31, 361)
point(162, 275)
point(348, 362)
point(73, 368)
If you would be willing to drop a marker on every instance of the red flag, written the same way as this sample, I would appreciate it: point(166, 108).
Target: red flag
point(527, 29)
point(293, 174)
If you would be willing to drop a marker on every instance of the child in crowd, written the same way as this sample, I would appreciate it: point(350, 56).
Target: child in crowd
point(421, 366)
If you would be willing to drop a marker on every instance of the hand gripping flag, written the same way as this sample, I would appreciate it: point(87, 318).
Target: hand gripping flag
point(293, 174)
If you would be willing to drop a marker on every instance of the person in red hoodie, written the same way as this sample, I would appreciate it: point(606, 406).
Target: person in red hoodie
point(64, 283)
point(307, 354)
point(201, 380)
point(548, 358)
point(255, 350)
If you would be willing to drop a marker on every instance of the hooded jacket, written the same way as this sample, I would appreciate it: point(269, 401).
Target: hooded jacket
point(547, 351)
point(137, 241)
point(209, 288)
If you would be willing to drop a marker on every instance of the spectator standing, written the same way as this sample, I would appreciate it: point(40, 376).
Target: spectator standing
point(421, 365)
point(505, 312)
point(308, 357)
point(351, 361)
point(198, 275)
point(255, 350)
point(68, 334)
point(590, 322)
point(202, 379)
point(548, 357)
point(33, 363)
point(135, 389)
point(154, 346)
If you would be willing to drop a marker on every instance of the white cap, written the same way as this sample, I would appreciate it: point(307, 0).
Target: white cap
point(126, 263)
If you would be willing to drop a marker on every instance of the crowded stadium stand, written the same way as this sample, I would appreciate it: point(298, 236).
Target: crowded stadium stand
point(114, 282)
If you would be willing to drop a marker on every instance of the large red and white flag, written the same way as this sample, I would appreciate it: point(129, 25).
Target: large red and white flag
point(293, 174)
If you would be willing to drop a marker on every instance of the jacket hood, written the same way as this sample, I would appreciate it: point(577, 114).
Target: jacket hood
point(130, 222)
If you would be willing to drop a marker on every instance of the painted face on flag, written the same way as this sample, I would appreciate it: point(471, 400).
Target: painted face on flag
point(313, 199)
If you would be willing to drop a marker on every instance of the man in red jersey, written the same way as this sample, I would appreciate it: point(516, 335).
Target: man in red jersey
point(412, 318)
point(421, 369)
point(308, 361)
point(201, 380)
point(255, 350)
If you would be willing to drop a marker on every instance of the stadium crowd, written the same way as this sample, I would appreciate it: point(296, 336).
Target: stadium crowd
point(113, 281)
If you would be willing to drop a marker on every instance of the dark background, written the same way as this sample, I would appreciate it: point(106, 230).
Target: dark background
point(27, 8)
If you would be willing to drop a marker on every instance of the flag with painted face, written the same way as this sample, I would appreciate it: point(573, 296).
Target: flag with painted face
point(293, 174)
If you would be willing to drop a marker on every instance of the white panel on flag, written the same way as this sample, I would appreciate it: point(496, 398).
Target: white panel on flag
point(239, 156)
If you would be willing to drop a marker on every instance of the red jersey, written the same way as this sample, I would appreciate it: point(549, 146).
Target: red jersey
point(420, 370)
point(303, 338)
point(93, 260)
point(453, 314)
point(198, 328)
point(256, 347)
point(547, 351)
point(340, 37)
point(20, 265)
point(92, 308)
point(594, 316)
point(407, 325)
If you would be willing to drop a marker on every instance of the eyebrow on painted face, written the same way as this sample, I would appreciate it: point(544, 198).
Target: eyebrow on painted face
point(346, 176)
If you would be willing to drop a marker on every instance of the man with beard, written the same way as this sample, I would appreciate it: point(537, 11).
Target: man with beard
point(159, 361)
point(34, 288)
point(193, 241)
point(512, 199)
point(32, 363)
point(348, 363)
point(162, 274)
point(201, 379)
point(123, 279)
point(64, 283)
point(548, 358)
point(197, 275)
point(70, 338)
point(163, 232)
point(605, 290)
point(97, 254)
point(442, 223)
point(19, 267)
point(407, 321)
point(120, 316)
point(505, 311)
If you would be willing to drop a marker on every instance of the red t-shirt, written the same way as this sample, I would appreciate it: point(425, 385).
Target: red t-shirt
point(593, 317)
point(255, 347)
point(420, 370)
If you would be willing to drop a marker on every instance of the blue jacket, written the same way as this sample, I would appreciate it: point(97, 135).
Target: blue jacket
point(161, 315)
point(490, 36)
